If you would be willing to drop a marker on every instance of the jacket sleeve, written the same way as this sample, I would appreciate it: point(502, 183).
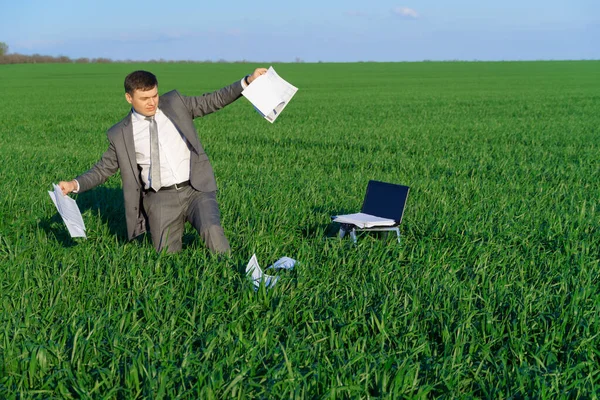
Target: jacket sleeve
point(100, 172)
point(211, 102)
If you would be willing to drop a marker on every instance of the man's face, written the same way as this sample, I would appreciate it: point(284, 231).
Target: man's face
point(144, 102)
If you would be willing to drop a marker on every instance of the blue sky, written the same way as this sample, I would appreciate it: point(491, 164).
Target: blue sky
point(335, 31)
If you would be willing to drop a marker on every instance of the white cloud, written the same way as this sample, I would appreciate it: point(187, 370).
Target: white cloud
point(405, 12)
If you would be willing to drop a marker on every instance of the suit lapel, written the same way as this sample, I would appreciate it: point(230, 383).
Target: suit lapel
point(127, 132)
point(172, 115)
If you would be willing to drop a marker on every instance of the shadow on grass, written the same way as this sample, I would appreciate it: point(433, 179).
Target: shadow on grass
point(313, 231)
point(107, 203)
point(54, 227)
point(328, 228)
point(191, 239)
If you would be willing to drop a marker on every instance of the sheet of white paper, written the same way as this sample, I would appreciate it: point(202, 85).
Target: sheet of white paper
point(363, 220)
point(283, 263)
point(270, 94)
point(68, 210)
point(258, 276)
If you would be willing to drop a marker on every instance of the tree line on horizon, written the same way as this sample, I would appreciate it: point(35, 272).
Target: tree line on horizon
point(16, 58)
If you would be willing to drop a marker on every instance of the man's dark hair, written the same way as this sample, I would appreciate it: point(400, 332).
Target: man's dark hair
point(140, 80)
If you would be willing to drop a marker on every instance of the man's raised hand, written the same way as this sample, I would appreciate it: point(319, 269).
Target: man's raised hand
point(257, 72)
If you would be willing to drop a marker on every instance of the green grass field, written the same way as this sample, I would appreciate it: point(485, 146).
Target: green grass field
point(493, 293)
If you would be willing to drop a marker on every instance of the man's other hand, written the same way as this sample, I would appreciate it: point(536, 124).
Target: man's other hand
point(67, 187)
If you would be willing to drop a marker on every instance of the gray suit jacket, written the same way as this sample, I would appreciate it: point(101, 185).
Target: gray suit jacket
point(181, 110)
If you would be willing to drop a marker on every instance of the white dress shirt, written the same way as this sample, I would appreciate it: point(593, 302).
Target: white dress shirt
point(173, 149)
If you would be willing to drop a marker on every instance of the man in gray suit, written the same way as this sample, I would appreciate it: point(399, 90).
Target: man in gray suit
point(167, 177)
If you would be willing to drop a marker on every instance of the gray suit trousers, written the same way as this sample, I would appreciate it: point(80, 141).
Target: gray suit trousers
point(168, 210)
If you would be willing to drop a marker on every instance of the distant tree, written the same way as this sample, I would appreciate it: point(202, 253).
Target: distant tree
point(63, 59)
point(101, 60)
point(3, 48)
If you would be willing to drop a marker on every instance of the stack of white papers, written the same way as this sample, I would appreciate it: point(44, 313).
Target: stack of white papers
point(363, 220)
point(269, 94)
point(257, 275)
point(68, 210)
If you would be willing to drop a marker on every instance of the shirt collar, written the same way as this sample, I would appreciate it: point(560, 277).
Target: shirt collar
point(137, 117)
